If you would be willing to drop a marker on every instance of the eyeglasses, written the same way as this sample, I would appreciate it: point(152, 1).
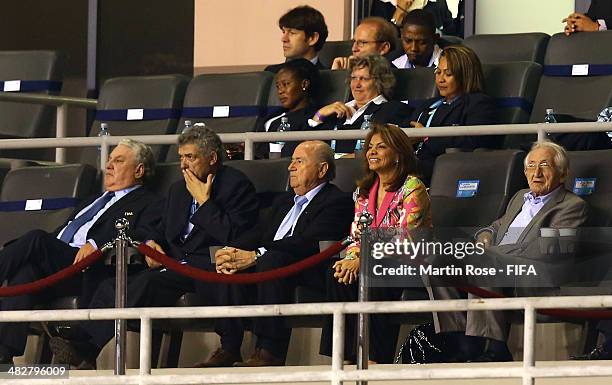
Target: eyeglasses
point(360, 78)
point(544, 165)
point(362, 43)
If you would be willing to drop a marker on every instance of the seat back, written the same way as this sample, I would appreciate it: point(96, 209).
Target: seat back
point(348, 172)
point(35, 183)
point(165, 174)
point(227, 102)
point(38, 72)
point(589, 90)
point(334, 49)
point(414, 85)
point(269, 176)
point(138, 105)
point(514, 85)
point(589, 177)
point(473, 188)
point(499, 48)
point(333, 87)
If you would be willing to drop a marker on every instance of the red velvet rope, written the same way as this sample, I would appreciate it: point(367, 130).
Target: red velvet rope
point(32, 287)
point(242, 278)
point(283, 272)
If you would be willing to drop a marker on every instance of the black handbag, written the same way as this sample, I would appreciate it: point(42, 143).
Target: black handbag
point(423, 346)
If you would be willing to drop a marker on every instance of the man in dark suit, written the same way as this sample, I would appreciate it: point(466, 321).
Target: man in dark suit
point(212, 205)
point(303, 33)
point(38, 254)
point(546, 204)
point(597, 18)
point(315, 211)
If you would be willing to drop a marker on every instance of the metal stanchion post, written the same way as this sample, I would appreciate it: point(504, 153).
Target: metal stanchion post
point(363, 332)
point(121, 249)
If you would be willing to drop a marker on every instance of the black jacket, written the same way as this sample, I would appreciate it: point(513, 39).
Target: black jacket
point(601, 9)
point(389, 112)
point(298, 121)
point(274, 68)
point(231, 210)
point(328, 217)
point(467, 110)
point(140, 207)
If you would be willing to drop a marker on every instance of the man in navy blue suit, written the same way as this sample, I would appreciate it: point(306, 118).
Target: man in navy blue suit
point(211, 205)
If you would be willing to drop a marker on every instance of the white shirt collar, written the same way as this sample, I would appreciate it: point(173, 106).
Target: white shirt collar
point(380, 99)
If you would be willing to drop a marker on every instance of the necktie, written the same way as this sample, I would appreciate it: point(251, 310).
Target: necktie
point(286, 226)
point(190, 226)
point(87, 216)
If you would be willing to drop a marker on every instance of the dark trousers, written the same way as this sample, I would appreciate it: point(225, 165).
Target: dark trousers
point(271, 332)
point(149, 288)
point(35, 255)
point(383, 332)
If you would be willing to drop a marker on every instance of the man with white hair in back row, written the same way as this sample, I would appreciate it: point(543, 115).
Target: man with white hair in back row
point(481, 335)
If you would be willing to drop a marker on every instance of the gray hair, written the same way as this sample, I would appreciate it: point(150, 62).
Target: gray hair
point(205, 139)
point(143, 154)
point(561, 158)
point(379, 69)
point(324, 154)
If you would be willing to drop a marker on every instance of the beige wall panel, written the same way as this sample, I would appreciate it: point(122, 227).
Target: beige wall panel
point(245, 32)
point(504, 16)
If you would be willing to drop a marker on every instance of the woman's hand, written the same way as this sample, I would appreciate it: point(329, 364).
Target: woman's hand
point(415, 139)
point(339, 109)
point(416, 124)
point(346, 271)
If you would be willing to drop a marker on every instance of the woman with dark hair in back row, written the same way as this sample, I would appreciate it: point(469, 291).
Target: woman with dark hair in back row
point(296, 84)
point(461, 102)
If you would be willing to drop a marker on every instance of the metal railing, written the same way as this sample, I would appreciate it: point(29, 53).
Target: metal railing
point(335, 374)
point(61, 116)
point(250, 138)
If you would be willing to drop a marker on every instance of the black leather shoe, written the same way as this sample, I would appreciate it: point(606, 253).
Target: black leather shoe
point(490, 356)
point(71, 353)
point(599, 353)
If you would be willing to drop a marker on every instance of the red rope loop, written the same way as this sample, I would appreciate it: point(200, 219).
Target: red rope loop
point(32, 287)
point(242, 278)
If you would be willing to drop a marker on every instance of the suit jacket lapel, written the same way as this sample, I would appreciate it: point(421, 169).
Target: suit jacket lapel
point(443, 111)
point(513, 211)
point(312, 206)
point(558, 198)
point(117, 210)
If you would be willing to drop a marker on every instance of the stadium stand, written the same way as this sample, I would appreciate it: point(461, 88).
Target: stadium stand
point(334, 49)
point(138, 105)
point(472, 189)
point(509, 47)
point(577, 79)
point(514, 86)
point(226, 102)
point(59, 186)
point(32, 72)
point(414, 86)
point(334, 86)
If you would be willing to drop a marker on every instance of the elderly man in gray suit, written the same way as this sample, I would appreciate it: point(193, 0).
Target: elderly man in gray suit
point(481, 335)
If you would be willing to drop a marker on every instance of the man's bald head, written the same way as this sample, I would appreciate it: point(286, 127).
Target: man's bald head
point(312, 163)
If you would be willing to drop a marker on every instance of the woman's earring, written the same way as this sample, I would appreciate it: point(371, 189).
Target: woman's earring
point(303, 88)
point(396, 161)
